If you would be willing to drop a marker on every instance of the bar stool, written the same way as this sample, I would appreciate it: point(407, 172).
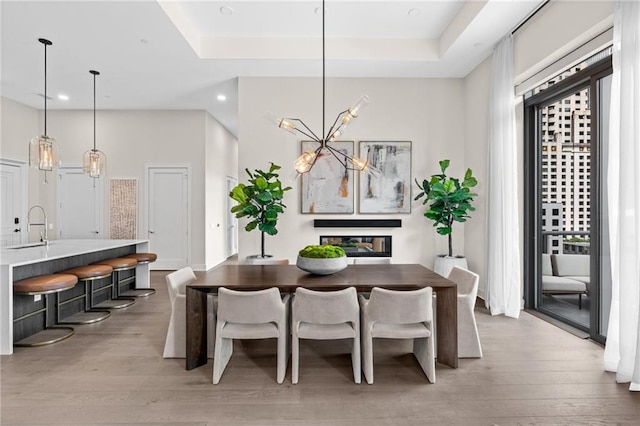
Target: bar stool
point(86, 274)
point(44, 285)
point(118, 264)
point(142, 259)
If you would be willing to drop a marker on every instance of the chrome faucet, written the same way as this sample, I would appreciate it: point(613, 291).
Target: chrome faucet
point(44, 236)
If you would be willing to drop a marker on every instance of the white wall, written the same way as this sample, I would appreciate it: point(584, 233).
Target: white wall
point(133, 140)
point(428, 112)
point(558, 28)
point(552, 32)
point(20, 124)
point(221, 160)
point(476, 94)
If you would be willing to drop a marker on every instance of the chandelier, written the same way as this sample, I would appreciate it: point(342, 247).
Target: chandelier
point(307, 160)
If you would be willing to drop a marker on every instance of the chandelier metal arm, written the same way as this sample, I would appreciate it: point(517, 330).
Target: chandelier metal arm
point(310, 135)
point(333, 129)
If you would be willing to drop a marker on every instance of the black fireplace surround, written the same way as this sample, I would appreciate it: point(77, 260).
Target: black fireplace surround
point(359, 245)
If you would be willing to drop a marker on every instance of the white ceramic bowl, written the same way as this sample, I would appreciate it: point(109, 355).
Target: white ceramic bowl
point(322, 266)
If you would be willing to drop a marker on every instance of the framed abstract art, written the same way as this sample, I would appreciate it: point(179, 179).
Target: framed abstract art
point(328, 187)
point(390, 190)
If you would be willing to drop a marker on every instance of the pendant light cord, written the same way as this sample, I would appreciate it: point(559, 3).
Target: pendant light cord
point(46, 43)
point(45, 89)
point(95, 73)
point(94, 112)
point(324, 136)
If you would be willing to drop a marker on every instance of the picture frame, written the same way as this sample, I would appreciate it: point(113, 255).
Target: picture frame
point(390, 190)
point(328, 187)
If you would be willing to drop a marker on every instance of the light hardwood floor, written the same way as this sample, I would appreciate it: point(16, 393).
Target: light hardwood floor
point(113, 373)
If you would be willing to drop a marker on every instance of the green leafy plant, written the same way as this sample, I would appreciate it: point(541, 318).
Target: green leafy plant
point(261, 201)
point(321, 251)
point(450, 200)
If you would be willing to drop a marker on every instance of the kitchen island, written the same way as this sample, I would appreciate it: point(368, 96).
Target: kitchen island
point(20, 262)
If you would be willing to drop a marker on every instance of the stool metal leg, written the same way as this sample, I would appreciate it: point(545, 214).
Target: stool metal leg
point(88, 316)
point(43, 337)
point(115, 302)
point(138, 292)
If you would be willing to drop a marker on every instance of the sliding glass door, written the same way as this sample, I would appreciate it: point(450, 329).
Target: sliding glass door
point(566, 255)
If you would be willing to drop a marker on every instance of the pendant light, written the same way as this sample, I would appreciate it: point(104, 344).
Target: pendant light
point(94, 162)
point(43, 150)
point(307, 160)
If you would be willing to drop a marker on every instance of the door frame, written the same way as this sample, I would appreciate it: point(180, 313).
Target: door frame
point(230, 181)
point(24, 193)
point(588, 77)
point(147, 200)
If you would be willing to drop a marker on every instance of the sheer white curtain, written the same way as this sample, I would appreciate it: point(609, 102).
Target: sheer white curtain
point(622, 352)
point(503, 290)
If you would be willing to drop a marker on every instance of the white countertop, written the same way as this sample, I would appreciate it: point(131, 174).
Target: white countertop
point(58, 249)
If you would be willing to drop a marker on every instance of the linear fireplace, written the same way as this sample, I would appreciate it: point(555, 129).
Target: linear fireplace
point(359, 245)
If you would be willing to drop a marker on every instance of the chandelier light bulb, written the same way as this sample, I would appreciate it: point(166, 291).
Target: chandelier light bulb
point(359, 105)
point(287, 125)
point(304, 162)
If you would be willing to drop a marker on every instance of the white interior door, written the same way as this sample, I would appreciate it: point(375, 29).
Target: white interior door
point(80, 208)
point(12, 203)
point(168, 220)
point(232, 222)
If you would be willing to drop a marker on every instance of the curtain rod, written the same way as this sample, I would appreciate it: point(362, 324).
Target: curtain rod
point(529, 16)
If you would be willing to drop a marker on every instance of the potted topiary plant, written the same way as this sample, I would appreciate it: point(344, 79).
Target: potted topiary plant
point(322, 259)
point(261, 201)
point(449, 201)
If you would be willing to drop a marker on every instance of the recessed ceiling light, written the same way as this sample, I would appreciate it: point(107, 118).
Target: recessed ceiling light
point(63, 97)
point(477, 45)
point(221, 97)
point(413, 12)
point(226, 10)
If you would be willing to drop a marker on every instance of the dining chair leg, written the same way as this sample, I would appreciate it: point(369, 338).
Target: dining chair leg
point(223, 352)
point(356, 360)
point(295, 359)
point(423, 351)
point(367, 357)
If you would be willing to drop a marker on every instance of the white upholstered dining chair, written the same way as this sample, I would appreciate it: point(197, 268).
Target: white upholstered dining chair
point(468, 338)
point(261, 314)
point(176, 340)
point(325, 315)
point(399, 315)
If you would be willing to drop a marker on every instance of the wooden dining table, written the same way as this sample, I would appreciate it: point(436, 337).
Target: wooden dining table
point(289, 277)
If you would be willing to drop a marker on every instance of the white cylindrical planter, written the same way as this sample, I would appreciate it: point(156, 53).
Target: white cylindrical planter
point(443, 264)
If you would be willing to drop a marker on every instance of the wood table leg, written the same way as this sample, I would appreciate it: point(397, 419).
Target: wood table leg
point(196, 351)
point(447, 320)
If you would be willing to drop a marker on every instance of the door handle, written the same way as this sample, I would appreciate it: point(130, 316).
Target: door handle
point(17, 230)
point(152, 232)
point(95, 232)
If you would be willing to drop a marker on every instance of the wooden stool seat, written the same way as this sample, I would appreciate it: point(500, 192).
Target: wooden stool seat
point(119, 263)
point(90, 272)
point(143, 257)
point(44, 284)
point(86, 274)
